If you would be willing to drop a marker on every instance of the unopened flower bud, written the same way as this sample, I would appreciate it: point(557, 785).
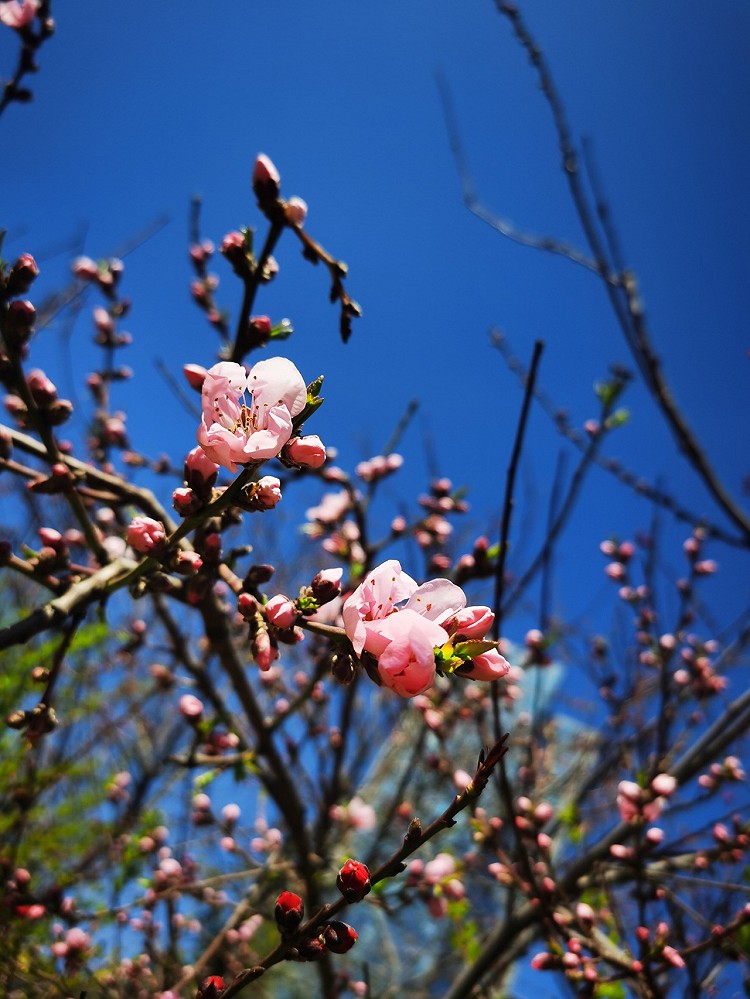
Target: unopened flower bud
point(289, 911)
point(267, 492)
point(326, 585)
point(195, 375)
point(339, 937)
point(353, 881)
point(295, 211)
point(266, 179)
point(305, 452)
point(19, 322)
point(22, 275)
point(145, 535)
point(281, 611)
point(85, 269)
point(191, 707)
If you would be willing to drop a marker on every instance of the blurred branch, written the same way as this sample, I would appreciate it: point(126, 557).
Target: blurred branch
point(31, 42)
point(612, 465)
point(621, 286)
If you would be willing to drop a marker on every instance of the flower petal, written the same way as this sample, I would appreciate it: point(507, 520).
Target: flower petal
point(276, 381)
point(437, 600)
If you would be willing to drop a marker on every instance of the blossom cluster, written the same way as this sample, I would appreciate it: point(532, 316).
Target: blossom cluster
point(414, 631)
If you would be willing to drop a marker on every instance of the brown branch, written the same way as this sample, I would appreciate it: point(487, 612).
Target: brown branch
point(415, 837)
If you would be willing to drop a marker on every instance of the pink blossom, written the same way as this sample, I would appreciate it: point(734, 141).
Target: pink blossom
point(146, 535)
point(18, 13)
point(402, 624)
point(234, 432)
point(404, 645)
point(441, 866)
point(375, 599)
point(306, 452)
point(332, 507)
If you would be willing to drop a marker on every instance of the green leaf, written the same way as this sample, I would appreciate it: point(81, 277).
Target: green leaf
point(617, 419)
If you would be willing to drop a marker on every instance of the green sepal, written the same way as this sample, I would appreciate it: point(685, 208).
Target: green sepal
point(314, 400)
point(307, 604)
point(445, 660)
point(473, 647)
point(247, 240)
point(281, 331)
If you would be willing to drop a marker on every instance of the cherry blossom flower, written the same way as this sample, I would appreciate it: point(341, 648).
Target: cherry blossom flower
point(18, 13)
point(410, 629)
point(234, 431)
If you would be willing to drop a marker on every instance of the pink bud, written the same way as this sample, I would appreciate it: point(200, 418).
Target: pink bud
point(41, 387)
point(103, 320)
point(471, 622)
point(85, 268)
point(671, 955)
point(233, 244)
point(664, 785)
point(146, 535)
point(195, 374)
point(265, 172)
point(705, 568)
point(615, 570)
point(281, 611)
point(264, 652)
point(621, 852)
point(200, 471)
point(268, 491)
point(23, 273)
point(191, 707)
point(230, 813)
point(188, 563)
point(307, 452)
point(296, 211)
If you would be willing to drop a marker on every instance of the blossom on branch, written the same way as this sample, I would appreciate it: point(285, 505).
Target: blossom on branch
point(18, 13)
point(236, 430)
point(414, 630)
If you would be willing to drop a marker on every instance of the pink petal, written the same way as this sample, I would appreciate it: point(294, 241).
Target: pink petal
point(276, 381)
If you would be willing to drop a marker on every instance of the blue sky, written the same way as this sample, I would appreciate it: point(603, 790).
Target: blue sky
point(139, 107)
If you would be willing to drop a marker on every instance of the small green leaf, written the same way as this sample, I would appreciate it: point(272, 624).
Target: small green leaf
point(617, 419)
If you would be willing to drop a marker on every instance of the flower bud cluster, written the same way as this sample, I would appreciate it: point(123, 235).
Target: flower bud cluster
point(334, 935)
point(697, 671)
point(436, 883)
point(377, 468)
